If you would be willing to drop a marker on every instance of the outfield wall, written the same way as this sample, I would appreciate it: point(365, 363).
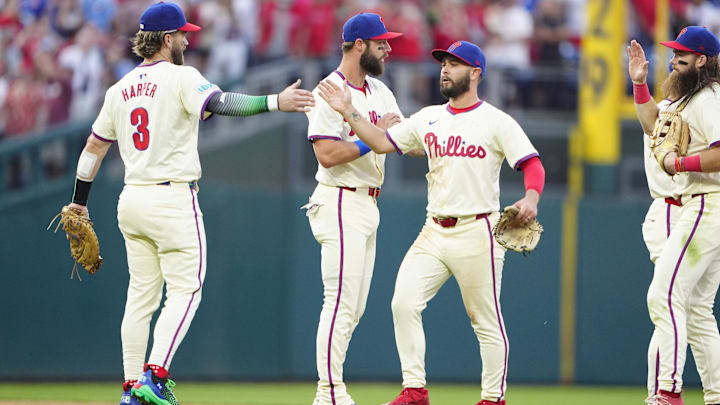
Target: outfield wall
point(263, 295)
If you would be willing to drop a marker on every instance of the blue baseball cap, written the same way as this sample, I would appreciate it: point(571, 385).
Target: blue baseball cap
point(695, 39)
point(165, 17)
point(366, 26)
point(465, 51)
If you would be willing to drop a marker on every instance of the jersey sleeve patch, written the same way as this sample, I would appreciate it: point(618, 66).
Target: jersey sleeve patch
point(204, 88)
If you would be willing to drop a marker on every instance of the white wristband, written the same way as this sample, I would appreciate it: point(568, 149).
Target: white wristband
point(272, 102)
point(86, 165)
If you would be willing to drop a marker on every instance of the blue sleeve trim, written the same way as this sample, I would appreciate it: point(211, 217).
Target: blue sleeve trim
point(207, 100)
point(387, 134)
point(101, 138)
point(312, 138)
point(524, 159)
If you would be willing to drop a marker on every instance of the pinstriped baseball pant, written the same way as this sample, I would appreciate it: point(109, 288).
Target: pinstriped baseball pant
point(682, 293)
point(469, 252)
point(165, 242)
point(345, 224)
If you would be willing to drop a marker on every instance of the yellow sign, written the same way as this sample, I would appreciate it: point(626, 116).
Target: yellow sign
point(601, 81)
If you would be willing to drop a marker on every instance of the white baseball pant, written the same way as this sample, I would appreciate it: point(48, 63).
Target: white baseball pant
point(345, 224)
point(469, 252)
point(682, 292)
point(165, 241)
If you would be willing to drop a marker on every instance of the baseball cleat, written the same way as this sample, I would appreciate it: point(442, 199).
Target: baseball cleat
point(665, 398)
point(153, 390)
point(128, 399)
point(412, 396)
point(486, 402)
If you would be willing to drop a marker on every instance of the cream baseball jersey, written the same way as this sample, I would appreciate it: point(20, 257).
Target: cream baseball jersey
point(701, 114)
point(373, 100)
point(465, 149)
point(157, 140)
point(659, 182)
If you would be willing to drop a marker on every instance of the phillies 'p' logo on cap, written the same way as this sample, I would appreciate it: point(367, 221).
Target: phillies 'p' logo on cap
point(695, 39)
point(467, 52)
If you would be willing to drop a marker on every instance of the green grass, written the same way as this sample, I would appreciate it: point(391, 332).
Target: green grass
point(303, 394)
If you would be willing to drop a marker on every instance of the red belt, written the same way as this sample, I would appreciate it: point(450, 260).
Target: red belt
point(678, 201)
point(372, 191)
point(452, 221)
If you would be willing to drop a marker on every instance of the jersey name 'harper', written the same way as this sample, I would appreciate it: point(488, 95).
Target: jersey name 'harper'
point(140, 89)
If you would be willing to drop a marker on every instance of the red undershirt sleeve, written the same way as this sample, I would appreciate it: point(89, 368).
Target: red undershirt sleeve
point(534, 173)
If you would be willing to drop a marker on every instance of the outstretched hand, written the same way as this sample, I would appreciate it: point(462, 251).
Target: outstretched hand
point(388, 120)
point(296, 99)
point(338, 98)
point(637, 64)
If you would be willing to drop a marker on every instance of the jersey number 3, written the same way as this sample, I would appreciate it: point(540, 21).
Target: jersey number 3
point(139, 118)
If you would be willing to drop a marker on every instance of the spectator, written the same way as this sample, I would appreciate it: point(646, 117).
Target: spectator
point(221, 38)
point(410, 83)
point(10, 23)
point(99, 13)
point(119, 60)
point(312, 28)
point(475, 10)
point(273, 22)
point(84, 62)
point(448, 22)
point(509, 26)
point(66, 17)
point(23, 110)
point(705, 14)
point(550, 32)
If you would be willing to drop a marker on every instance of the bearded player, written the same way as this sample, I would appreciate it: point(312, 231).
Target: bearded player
point(153, 114)
point(685, 280)
point(466, 141)
point(342, 210)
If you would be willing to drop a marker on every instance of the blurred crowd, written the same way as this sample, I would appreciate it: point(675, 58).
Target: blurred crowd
point(57, 57)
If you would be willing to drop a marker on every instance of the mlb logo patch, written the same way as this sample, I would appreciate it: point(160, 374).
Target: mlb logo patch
point(205, 87)
point(143, 76)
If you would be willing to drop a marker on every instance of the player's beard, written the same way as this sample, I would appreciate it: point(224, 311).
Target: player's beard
point(371, 64)
point(679, 84)
point(453, 88)
point(176, 54)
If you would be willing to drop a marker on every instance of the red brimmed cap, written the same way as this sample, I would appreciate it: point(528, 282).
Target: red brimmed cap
point(697, 40)
point(366, 26)
point(165, 17)
point(465, 51)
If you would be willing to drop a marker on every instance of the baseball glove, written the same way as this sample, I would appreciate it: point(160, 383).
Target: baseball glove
point(671, 134)
point(84, 245)
point(519, 238)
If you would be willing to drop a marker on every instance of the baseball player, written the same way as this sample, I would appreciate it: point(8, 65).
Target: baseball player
point(342, 210)
point(686, 279)
point(466, 141)
point(660, 219)
point(153, 114)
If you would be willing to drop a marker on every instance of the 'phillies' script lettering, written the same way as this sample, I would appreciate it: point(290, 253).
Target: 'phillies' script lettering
point(140, 89)
point(455, 147)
